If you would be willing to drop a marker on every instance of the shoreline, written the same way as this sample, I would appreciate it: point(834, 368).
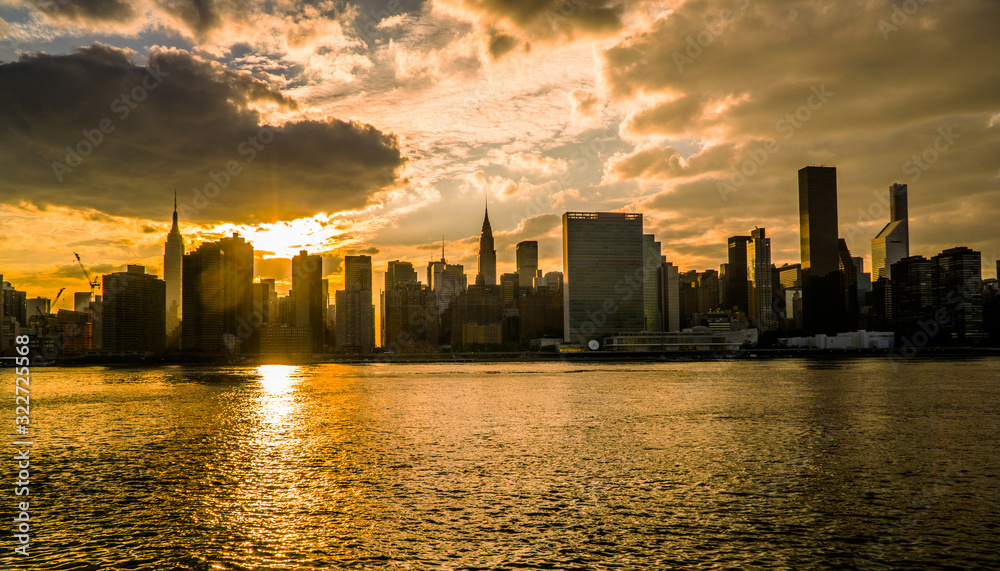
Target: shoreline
point(532, 357)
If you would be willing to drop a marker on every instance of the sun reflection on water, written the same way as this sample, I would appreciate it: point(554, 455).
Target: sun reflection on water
point(277, 379)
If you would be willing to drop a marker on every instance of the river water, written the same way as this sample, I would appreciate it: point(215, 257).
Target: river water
point(795, 464)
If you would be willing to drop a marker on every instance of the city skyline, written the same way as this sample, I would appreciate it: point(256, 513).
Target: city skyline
point(539, 119)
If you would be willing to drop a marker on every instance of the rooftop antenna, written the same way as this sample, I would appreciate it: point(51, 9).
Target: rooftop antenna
point(442, 247)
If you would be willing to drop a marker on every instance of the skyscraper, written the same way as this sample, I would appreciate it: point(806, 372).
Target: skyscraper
point(912, 296)
point(864, 280)
point(217, 297)
point(603, 275)
point(736, 274)
point(527, 263)
point(134, 312)
point(893, 243)
point(487, 255)
point(173, 266)
point(446, 280)
point(81, 301)
point(410, 319)
point(651, 262)
point(670, 296)
point(818, 222)
point(824, 287)
point(760, 284)
point(957, 286)
point(355, 312)
point(307, 290)
point(397, 272)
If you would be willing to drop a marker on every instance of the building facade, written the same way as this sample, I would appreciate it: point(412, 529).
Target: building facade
point(603, 275)
point(173, 269)
point(134, 312)
point(892, 243)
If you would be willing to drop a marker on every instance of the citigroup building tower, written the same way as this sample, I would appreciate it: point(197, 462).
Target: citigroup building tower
point(603, 273)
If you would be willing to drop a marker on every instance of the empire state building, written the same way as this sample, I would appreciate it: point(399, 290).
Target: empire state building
point(487, 255)
point(173, 259)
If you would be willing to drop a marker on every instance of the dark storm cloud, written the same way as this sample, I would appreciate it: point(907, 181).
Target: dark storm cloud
point(886, 91)
point(135, 133)
point(88, 11)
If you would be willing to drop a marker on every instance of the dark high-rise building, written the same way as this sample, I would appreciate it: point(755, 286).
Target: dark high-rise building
point(527, 263)
point(818, 222)
point(81, 301)
point(307, 290)
point(203, 302)
point(893, 242)
point(760, 284)
point(173, 265)
point(912, 296)
point(829, 281)
point(848, 294)
point(651, 263)
point(603, 275)
point(864, 280)
point(707, 291)
point(670, 296)
point(358, 272)
point(446, 280)
point(736, 274)
point(397, 272)
point(265, 300)
point(957, 286)
point(355, 312)
point(541, 315)
point(477, 309)
point(410, 319)
point(134, 312)
point(487, 255)
point(15, 304)
point(688, 298)
point(217, 296)
point(509, 289)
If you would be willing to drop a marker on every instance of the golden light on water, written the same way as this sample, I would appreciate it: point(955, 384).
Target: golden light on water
point(277, 379)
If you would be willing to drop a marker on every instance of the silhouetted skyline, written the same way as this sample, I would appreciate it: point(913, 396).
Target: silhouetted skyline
point(375, 129)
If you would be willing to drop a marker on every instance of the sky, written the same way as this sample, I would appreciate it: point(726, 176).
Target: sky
point(383, 127)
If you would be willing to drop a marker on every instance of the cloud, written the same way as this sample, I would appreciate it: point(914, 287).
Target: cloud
point(134, 133)
point(507, 25)
point(745, 93)
point(88, 11)
point(584, 104)
point(529, 162)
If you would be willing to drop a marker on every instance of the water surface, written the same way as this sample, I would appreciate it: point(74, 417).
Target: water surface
point(771, 464)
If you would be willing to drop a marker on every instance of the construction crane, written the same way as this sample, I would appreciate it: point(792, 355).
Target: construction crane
point(94, 284)
point(38, 308)
point(54, 301)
